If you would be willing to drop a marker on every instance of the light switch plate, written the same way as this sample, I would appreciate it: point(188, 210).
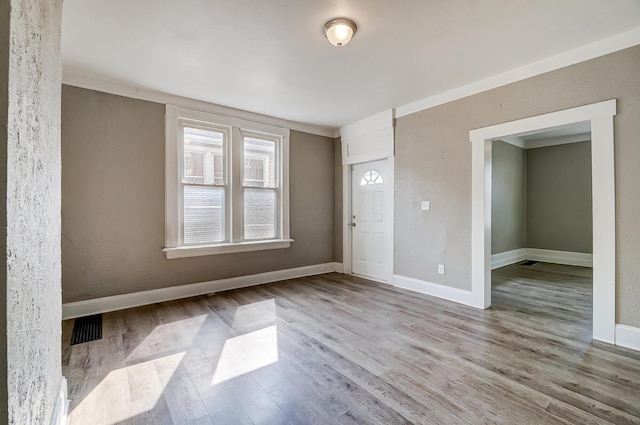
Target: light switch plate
point(440, 268)
point(425, 205)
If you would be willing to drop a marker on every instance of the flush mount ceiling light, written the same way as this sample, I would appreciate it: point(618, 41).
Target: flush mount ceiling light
point(339, 31)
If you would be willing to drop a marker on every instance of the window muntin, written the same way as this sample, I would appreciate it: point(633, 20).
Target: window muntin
point(231, 185)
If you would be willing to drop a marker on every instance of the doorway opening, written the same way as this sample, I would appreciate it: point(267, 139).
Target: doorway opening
point(599, 116)
point(541, 231)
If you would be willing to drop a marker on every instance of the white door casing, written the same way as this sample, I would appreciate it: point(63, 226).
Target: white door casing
point(366, 141)
point(600, 115)
point(371, 220)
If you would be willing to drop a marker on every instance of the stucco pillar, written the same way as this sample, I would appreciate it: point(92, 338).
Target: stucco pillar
point(30, 169)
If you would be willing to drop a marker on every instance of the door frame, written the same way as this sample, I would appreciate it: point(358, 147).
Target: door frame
point(347, 233)
point(600, 116)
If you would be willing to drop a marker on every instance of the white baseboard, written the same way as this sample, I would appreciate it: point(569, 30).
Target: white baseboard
point(560, 257)
point(59, 415)
point(136, 299)
point(508, 257)
point(546, 255)
point(628, 337)
point(339, 268)
point(434, 289)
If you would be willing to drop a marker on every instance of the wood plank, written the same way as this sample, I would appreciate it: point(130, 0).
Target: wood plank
point(351, 351)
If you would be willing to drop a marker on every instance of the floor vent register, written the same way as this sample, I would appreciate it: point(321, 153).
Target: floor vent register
point(86, 329)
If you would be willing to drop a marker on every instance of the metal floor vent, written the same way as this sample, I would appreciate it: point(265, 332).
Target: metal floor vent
point(87, 329)
point(529, 263)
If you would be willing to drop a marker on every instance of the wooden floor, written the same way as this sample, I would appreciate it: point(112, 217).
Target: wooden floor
point(335, 349)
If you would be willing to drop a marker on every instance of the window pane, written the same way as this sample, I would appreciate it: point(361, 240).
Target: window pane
point(371, 177)
point(259, 214)
point(259, 162)
point(203, 214)
point(203, 156)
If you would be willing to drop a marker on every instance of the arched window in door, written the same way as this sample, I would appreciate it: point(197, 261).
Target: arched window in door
point(371, 177)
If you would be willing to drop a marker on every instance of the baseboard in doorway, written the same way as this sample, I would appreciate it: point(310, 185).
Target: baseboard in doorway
point(560, 257)
point(136, 299)
point(508, 257)
point(545, 255)
point(628, 337)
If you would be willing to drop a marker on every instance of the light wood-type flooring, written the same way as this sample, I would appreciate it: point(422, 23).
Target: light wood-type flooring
point(335, 349)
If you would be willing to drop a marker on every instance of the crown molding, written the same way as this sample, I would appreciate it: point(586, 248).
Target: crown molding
point(91, 83)
point(570, 57)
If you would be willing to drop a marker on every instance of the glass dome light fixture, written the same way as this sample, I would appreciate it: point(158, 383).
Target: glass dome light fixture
point(339, 31)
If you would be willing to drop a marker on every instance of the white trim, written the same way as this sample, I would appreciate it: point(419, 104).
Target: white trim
point(133, 92)
point(368, 125)
point(227, 248)
point(339, 267)
point(346, 219)
point(571, 57)
point(545, 255)
point(369, 139)
point(391, 222)
point(628, 337)
point(560, 257)
point(61, 407)
point(600, 116)
point(434, 289)
point(136, 299)
point(508, 257)
point(368, 148)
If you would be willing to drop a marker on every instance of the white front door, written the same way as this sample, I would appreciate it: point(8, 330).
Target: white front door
point(372, 220)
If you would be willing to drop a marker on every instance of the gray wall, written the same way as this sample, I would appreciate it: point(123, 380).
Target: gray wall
point(433, 161)
point(541, 198)
point(113, 203)
point(559, 214)
point(30, 126)
point(508, 197)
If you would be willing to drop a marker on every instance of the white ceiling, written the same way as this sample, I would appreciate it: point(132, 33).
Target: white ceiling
point(270, 56)
point(561, 135)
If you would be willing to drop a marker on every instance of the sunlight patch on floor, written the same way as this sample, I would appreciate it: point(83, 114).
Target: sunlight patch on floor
point(246, 353)
point(168, 336)
point(255, 315)
point(127, 392)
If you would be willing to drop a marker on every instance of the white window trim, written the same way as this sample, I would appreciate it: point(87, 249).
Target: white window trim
point(173, 248)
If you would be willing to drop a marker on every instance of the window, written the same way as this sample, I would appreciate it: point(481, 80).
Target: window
point(371, 177)
point(226, 185)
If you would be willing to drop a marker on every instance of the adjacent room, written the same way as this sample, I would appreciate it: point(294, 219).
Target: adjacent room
point(542, 227)
point(330, 212)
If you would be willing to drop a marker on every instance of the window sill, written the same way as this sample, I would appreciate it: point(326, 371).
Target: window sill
point(225, 248)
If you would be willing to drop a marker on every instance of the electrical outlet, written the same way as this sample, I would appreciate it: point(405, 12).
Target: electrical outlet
point(440, 268)
point(425, 205)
